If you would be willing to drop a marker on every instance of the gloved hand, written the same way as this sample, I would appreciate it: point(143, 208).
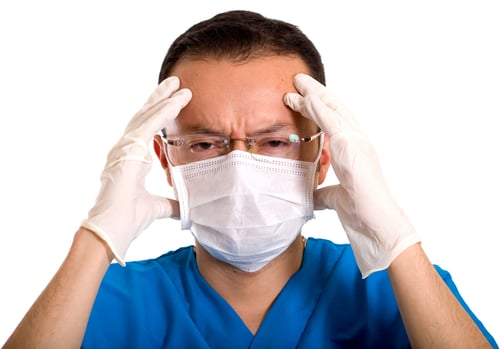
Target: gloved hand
point(124, 208)
point(376, 227)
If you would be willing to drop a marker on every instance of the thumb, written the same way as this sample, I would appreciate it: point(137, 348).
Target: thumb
point(324, 198)
point(327, 197)
point(166, 208)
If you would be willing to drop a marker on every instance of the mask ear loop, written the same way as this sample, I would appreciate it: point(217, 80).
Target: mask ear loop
point(170, 169)
point(316, 166)
point(165, 147)
point(183, 202)
point(320, 147)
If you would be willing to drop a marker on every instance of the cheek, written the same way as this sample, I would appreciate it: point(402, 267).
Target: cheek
point(309, 151)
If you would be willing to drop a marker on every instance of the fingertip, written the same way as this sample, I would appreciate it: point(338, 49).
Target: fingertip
point(292, 99)
point(286, 97)
point(171, 80)
point(325, 197)
point(169, 85)
point(300, 76)
point(301, 82)
point(186, 91)
point(185, 95)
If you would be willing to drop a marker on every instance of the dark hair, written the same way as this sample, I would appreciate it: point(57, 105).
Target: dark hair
point(240, 36)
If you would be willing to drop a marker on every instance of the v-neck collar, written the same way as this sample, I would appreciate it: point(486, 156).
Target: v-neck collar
point(284, 323)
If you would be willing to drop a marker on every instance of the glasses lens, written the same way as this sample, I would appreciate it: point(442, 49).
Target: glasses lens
point(277, 145)
point(190, 148)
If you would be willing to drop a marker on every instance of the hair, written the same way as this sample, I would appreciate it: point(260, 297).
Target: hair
point(240, 36)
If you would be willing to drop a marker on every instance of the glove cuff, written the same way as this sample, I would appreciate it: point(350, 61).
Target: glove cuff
point(105, 237)
point(371, 263)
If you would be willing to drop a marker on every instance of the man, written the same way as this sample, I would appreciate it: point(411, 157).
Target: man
point(245, 130)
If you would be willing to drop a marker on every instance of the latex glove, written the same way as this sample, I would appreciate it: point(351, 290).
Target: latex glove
point(124, 208)
point(376, 227)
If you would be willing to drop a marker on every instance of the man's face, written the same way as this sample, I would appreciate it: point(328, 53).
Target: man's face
point(240, 100)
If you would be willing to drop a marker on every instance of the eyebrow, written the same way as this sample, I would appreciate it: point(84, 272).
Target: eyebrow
point(275, 128)
point(197, 130)
point(203, 130)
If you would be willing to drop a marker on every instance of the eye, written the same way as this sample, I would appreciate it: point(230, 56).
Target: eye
point(200, 146)
point(205, 144)
point(276, 143)
point(273, 143)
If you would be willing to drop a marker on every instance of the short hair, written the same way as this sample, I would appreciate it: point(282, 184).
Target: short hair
point(240, 36)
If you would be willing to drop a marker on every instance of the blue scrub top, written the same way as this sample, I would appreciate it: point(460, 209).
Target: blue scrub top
point(166, 303)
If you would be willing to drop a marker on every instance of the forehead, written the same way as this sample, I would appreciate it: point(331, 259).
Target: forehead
point(267, 70)
point(232, 96)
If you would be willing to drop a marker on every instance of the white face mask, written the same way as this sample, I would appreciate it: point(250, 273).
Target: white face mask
point(245, 209)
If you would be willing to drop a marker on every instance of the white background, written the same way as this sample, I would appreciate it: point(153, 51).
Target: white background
point(422, 78)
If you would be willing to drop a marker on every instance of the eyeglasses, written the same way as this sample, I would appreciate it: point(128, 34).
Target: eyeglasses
point(196, 147)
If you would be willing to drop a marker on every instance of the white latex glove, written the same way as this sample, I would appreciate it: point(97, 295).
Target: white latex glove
point(376, 226)
point(124, 208)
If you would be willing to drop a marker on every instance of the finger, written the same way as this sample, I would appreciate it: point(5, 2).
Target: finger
point(312, 107)
point(164, 90)
point(328, 119)
point(294, 101)
point(309, 107)
point(146, 125)
point(307, 85)
point(167, 111)
point(159, 96)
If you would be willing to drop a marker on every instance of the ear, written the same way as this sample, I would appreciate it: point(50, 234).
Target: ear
point(324, 160)
point(159, 147)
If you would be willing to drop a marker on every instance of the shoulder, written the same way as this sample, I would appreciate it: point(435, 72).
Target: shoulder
point(339, 263)
point(143, 297)
point(348, 305)
point(171, 260)
point(144, 279)
point(342, 255)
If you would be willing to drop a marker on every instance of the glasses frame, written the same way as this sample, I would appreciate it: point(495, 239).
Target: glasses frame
point(227, 141)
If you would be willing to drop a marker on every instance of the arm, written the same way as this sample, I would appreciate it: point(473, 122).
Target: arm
point(432, 315)
point(381, 235)
point(123, 209)
point(59, 316)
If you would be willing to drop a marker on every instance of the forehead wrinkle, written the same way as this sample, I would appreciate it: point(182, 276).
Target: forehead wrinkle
point(248, 98)
point(200, 129)
point(273, 128)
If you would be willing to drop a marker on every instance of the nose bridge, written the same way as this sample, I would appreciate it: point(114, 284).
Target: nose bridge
point(240, 144)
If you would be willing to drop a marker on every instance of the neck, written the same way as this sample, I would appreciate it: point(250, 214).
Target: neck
point(251, 295)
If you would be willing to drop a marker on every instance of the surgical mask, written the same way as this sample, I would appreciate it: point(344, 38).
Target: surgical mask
point(245, 209)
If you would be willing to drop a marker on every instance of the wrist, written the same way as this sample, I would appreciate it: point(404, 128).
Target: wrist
point(91, 247)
